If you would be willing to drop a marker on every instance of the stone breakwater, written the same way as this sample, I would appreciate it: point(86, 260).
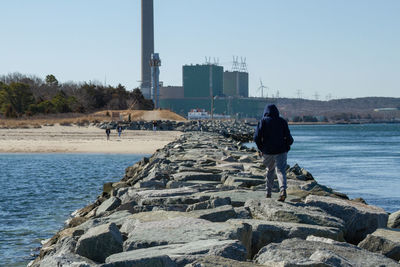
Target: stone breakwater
point(236, 129)
point(200, 201)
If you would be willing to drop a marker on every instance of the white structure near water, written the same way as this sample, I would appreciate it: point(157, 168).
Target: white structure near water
point(202, 114)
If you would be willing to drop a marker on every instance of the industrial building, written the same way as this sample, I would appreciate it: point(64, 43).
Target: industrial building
point(208, 87)
point(236, 83)
point(202, 81)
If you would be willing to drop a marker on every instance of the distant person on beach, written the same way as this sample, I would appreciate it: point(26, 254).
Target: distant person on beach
point(199, 128)
point(119, 130)
point(273, 139)
point(154, 125)
point(108, 131)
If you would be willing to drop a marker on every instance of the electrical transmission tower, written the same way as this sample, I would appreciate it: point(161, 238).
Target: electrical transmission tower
point(243, 65)
point(216, 61)
point(328, 97)
point(235, 64)
point(299, 94)
point(208, 61)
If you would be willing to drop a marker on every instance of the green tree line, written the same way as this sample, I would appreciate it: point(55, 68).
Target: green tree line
point(29, 95)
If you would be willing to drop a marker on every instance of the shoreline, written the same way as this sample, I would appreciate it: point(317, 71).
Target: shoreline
point(78, 139)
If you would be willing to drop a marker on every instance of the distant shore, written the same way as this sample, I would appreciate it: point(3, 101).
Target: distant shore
point(341, 122)
point(86, 139)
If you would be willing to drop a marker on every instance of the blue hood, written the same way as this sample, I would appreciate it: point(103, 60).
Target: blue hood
point(271, 111)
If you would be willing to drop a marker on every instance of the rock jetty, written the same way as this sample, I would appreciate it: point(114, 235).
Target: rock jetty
point(229, 128)
point(200, 201)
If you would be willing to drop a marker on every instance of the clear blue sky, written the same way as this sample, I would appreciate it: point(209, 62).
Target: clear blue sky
point(345, 48)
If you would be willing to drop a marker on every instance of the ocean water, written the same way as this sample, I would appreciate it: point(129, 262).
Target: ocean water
point(40, 191)
point(360, 160)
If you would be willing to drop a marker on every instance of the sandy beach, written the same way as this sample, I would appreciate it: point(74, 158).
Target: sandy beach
point(75, 139)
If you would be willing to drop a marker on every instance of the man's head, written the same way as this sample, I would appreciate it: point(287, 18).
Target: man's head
point(271, 111)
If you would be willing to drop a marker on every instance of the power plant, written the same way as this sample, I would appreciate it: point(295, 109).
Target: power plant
point(204, 86)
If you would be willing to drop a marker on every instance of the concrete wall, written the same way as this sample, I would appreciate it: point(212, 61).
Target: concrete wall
point(171, 92)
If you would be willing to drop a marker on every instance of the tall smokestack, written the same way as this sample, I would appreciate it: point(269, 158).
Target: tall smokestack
point(147, 45)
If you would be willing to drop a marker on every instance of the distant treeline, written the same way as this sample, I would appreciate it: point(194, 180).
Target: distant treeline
point(29, 95)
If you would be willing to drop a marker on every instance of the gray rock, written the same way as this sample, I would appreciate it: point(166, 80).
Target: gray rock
point(117, 217)
point(63, 255)
point(329, 258)
point(100, 242)
point(156, 174)
point(242, 213)
point(272, 210)
point(360, 219)
point(183, 168)
point(266, 232)
point(129, 207)
point(305, 188)
point(174, 200)
point(219, 201)
point(129, 225)
point(138, 261)
point(217, 261)
point(384, 241)
point(298, 252)
point(170, 228)
point(394, 220)
point(214, 202)
point(238, 196)
point(233, 167)
point(246, 158)
point(199, 206)
point(243, 181)
point(188, 176)
point(108, 205)
point(132, 194)
point(183, 253)
point(150, 184)
point(229, 159)
point(218, 214)
point(175, 184)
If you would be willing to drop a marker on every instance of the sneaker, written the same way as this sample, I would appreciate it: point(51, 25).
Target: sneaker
point(268, 196)
point(282, 196)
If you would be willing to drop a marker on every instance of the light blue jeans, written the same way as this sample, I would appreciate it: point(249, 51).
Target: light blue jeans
point(275, 165)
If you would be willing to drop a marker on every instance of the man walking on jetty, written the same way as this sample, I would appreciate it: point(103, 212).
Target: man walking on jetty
point(273, 139)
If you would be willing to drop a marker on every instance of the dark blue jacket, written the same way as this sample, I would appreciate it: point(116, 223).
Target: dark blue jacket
point(272, 135)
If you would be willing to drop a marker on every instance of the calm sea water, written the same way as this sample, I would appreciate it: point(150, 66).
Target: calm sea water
point(39, 192)
point(359, 160)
